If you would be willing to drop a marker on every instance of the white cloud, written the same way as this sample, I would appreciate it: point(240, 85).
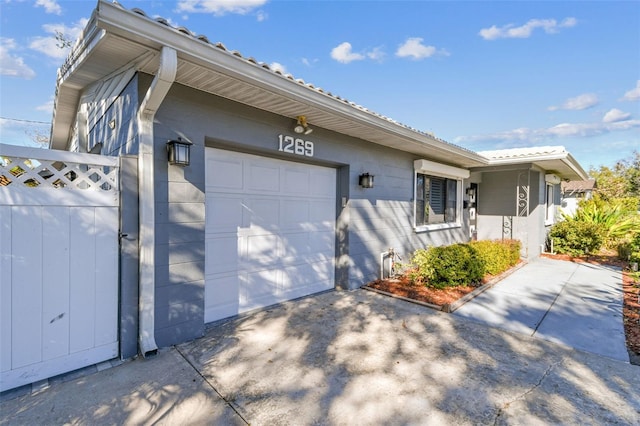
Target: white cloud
point(414, 48)
point(615, 115)
point(47, 106)
point(550, 26)
point(563, 130)
point(577, 103)
point(633, 94)
point(310, 62)
point(50, 6)
point(377, 54)
point(50, 46)
point(262, 16)
point(276, 66)
point(12, 65)
point(219, 7)
point(343, 53)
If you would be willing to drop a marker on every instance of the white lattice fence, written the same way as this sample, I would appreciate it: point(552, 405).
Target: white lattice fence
point(59, 219)
point(40, 168)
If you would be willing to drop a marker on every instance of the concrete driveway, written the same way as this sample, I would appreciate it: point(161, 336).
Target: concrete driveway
point(348, 358)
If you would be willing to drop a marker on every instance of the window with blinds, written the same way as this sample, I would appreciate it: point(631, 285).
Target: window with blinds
point(436, 200)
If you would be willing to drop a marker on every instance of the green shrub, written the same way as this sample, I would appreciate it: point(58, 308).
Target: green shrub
point(577, 238)
point(629, 249)
point(617, 219)
point(447, 266)
point(498, 255)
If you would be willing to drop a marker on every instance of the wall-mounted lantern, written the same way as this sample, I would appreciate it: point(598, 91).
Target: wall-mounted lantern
point(366, 180)
point(179, 152)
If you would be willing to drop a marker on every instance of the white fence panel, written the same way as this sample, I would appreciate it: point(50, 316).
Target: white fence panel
point(59, 263)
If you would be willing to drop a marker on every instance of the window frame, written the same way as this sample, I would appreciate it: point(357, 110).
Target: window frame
point(430, 168)
point(549, 212)
point(551, 182)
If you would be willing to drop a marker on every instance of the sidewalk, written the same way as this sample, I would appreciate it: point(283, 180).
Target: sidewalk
point(574, 304)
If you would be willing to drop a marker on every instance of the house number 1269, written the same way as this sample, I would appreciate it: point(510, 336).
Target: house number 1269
point(297, 146)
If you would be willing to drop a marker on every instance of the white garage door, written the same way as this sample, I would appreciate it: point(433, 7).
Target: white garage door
point(270, 232)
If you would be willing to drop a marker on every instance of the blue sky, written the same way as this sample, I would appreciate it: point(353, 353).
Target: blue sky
point(483, 75)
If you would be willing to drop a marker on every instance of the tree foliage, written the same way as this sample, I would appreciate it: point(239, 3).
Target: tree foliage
point(620, 181)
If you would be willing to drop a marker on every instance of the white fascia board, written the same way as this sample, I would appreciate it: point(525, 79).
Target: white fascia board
point(433, 168)
point(63, 121)
point(576, 167)
point(154, 35)
point(565, 157)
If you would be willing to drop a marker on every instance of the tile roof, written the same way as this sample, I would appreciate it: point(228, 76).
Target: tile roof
point(514, 153)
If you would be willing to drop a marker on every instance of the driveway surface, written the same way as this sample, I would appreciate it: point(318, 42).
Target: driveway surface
point(343, 358)
point(576, 304)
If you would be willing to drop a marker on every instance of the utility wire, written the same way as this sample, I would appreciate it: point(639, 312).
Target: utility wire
point(25, 121)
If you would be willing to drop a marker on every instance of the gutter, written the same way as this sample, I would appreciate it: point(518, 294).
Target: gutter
point(159, 88)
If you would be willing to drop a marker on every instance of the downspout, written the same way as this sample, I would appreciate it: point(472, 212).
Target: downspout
point(148, 107)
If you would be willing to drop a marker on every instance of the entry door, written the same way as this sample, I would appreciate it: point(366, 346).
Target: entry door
point(270, 231)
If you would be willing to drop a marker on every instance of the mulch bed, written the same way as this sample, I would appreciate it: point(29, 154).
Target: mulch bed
point(446, 299)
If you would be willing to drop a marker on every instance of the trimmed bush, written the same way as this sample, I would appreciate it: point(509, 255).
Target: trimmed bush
point(576, 238)
point(447, 266)
point(498, 255)
point(462, 264)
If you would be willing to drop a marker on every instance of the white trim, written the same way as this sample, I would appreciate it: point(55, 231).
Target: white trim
point(442, 170)
point(430, 168)
point(549, 207)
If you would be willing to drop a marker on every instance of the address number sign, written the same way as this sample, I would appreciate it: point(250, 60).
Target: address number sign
point(297, 146)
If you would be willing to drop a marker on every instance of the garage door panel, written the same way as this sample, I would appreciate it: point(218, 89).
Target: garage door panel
point(225, 173)
point(263, 177)
point(294, 215)
point(262, 214)
point(221, 298)
point(224, 215)
point(308, 274)
point(258, 289)
point(295, 245)
point(262, 251)
point(323, 183)
point(222, 254)
point(296, 181)
point(320, 242)
point(322, 213)
point(277, 231)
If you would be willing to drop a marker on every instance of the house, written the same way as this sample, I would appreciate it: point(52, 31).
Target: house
point(575, 191)
point(290, 189)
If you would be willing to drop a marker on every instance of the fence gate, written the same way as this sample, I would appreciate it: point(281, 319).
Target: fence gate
point(58, 262)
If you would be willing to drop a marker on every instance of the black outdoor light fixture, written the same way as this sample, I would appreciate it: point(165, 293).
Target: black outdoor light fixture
point(179, 152)
point(366, 180)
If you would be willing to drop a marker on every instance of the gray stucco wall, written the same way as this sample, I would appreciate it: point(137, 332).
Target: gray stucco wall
point(371, 221)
